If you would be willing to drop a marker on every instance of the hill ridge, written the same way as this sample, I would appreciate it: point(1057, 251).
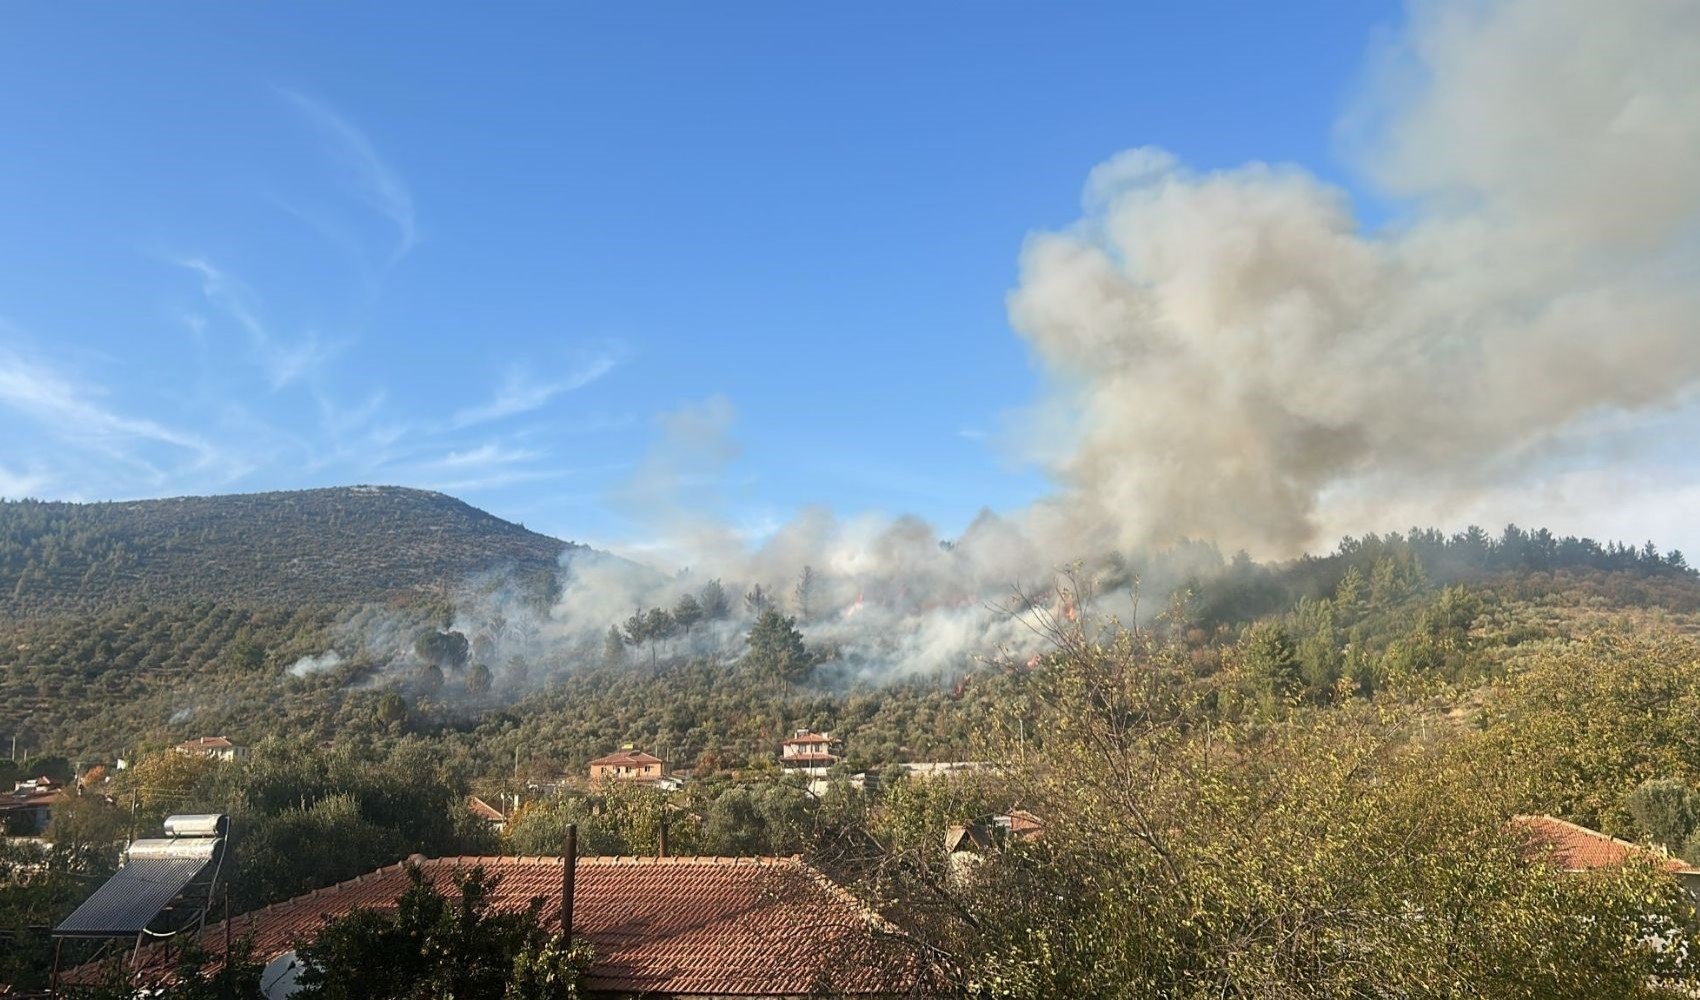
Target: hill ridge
point(341, 544)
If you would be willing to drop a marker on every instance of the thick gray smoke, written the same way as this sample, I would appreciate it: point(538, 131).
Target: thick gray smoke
point(1233, 357)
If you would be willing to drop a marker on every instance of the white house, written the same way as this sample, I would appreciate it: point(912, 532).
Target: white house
point(807, 753)
point(217, 747)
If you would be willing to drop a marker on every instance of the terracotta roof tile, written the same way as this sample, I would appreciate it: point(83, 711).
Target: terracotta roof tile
point(626, 757)
point(484, 810)
point(1577, 848)
point(679, 926)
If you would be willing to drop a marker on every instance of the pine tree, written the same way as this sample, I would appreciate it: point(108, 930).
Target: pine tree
point(687, 613)
point(715, 604)
point(804, 591)
point(777, 649)
point(614, 648)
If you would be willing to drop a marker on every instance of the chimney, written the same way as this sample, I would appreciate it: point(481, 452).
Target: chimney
point(569, 869)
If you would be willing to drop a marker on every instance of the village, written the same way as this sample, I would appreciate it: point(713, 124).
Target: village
point(662, 925)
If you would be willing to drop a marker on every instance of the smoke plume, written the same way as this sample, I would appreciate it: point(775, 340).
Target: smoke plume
point(1232, 356)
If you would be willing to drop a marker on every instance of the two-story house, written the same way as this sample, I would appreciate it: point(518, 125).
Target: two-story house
point(628, 764)
point(807, 753)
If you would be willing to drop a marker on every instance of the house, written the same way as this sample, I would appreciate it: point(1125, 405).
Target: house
point(675, 927)
point(861, 781)
point(946, 768)
point(807, 753)
point(990, 833)
point(627, 764)
point(968, 844)
point(486, 812)
point(1575, 848)
point(216, 747)
point(26, 810)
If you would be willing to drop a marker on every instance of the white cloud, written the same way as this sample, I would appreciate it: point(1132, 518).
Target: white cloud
point(487, 455)
point(377, 183)
point(284, 361)
point(74, 413)
point(520, 393)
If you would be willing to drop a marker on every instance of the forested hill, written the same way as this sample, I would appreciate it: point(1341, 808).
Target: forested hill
point(326, 546)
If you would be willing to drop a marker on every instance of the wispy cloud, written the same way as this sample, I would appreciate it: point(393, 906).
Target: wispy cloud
point(284, 360)
point(486, 455)
point(76, 413)
point(521, 393)
point(508, 477)
point(376, 182)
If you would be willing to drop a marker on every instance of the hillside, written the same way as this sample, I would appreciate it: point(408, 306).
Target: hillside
point(325, 546)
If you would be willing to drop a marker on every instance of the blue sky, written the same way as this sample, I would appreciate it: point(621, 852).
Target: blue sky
point(253, 247)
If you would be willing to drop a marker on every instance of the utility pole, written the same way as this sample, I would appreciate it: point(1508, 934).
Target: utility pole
point(229, 973)
point(569, 871)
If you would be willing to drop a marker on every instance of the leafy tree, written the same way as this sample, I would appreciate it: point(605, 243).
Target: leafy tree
point(443, 649)
point(237, 975)
point(1588, 721)
point(392, 708)
point(440, 946)
point(478, 680)
point(540, 827)
point(54, 766)
point(1271, 662)
point(1665, 810)
point(429, 677)
point(757, 600)
point(1189, 856)
point(246, 653)
point(38, 888)
point(331, 831)
point(86, 821)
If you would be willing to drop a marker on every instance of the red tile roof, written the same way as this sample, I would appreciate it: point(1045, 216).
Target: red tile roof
point(1576, 848)
point(484, 810)
point(619, 757)
point(805, 738)
point(679, 926)
point(206, 743)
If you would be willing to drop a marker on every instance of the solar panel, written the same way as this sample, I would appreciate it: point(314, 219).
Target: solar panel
point(154, 873)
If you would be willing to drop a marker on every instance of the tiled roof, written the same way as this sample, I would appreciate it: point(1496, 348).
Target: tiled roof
point(681, 926)
point(806, 738)
point(825, 758)
point(625, 757)
point(983, 834)
point(207, 743)
point(484, 810)
point(1577, 848)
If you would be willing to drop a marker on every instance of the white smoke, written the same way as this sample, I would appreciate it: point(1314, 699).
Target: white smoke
point(1232, 356)
point(306, 666)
